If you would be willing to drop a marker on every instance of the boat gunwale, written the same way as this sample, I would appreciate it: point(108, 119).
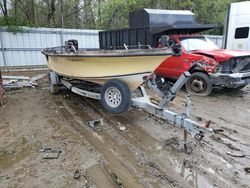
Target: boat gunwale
point(110, 53)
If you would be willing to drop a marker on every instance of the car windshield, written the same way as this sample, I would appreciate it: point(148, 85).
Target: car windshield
point(199, 43)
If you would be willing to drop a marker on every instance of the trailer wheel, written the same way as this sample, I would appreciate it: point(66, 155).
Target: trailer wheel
point(199, 84)
point(115, 96)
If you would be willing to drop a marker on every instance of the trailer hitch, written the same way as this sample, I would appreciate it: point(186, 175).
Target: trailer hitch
point(168, 96)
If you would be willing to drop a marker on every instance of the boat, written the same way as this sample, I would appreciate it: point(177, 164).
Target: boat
point(115, 73)
point(129, 65)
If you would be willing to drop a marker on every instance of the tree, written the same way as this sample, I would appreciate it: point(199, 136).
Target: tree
point(4, 10)
point(51, 11)
point(102, 14)
point(114, 13)
point(212, 12)
point(27, 7)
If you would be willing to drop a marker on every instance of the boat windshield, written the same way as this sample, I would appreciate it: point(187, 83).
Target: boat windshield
point(197, 43)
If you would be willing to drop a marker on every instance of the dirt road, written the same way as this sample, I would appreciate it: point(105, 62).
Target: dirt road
point(133, 149)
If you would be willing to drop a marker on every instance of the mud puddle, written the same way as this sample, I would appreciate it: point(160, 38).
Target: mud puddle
point(192, 176)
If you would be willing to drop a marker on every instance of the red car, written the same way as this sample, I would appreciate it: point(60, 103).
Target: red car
point(210, 66)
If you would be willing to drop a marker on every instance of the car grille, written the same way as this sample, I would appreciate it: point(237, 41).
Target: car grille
point(234, 65)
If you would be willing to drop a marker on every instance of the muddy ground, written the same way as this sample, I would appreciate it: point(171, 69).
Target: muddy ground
point(148, 153)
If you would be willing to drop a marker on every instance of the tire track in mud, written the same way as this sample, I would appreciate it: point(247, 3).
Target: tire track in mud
point(121, 154)
point(149, 145)
point(103, 146)
point(139, 141)
point(152, 147)
point(138, 138)
point(117, 155)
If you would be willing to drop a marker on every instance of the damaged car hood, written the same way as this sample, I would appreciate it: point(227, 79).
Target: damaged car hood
point(222, 55)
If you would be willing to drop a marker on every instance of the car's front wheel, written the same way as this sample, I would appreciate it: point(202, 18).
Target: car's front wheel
point(199, 84)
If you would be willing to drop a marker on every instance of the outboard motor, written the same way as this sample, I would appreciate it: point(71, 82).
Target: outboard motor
point(71, 45)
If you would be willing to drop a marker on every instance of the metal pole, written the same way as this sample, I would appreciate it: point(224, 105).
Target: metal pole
point(62, 25)
point(62, 15)
point(61, 36)
point(3, 52)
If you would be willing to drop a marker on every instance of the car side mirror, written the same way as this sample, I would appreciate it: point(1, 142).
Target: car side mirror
point(176, 50)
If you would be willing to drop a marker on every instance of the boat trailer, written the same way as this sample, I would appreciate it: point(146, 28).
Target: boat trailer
point(143, 102)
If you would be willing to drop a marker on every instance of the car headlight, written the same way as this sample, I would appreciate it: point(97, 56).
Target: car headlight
point(206, 64)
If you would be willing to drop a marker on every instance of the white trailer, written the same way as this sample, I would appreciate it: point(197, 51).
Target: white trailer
point(236, 30)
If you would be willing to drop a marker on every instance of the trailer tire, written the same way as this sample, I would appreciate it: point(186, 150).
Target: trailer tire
point(115, 96)
point(199, 84)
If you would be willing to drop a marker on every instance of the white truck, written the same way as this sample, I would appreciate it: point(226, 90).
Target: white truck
point(236, 30)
